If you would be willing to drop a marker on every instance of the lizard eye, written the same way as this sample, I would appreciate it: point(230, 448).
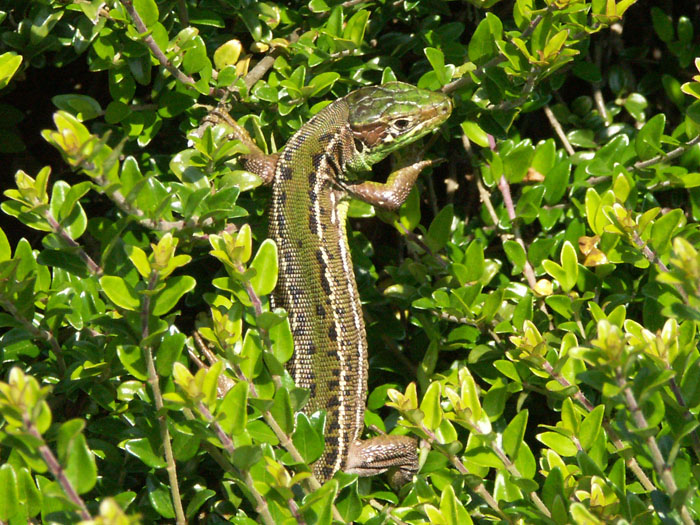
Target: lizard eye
point(359, 145)
point(401, 124)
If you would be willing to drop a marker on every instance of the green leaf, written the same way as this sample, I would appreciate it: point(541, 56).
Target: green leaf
point(168, 352)
point(430, 406)
point(437, 61)
point(452, 510)
point(590, 427)
point(318, 505)
point(131, 357)
point(516, 255)
point(307, 441)
point(569, 263)
point(265, 266)
point(143, 449)
point(636, 104)
point(201, 496)
point(514, 434)
point(555, 43)
point(440, 227)
point(175, 288)
point(66, 209)
point(5, 249)
point(482, 44)
point(648, 141)
point(474, 257)
point(355, 28)
point(148, 11)
point(322, 82)
point(663, 228)
point(517, 161)
point(82, 106)
point(409, 212)
point(9, 64)
point(232, 410)
point(120, 292)
point(159, 497)
point(662, 24)
point(79, 465)
point(562, 445)
point(227, 54)
point(281, 410)
point(9, 493)
point(475, 133)
point(283, 343)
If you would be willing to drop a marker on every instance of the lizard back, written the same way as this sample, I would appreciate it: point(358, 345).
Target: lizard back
point(316, 280)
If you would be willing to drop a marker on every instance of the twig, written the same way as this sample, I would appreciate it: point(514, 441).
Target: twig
point(667, 156)
point(558, 130)
point(466, 81)
point(504, 188)
point(266, 63)
point(653, 258)
point(580, 397)
point(37, 332)
point(158, 399)
point(56, 469)
point(59, 230)
point(480, 488)
point(153, 46)
point(152, 224)
point(663, 469)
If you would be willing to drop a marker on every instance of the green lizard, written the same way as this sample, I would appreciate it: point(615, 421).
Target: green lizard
point(312, 179)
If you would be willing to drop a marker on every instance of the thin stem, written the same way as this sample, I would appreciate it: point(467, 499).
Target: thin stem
point(158, 399)
point(686, 413)
point(118, 198)
point(37, 332)
point(158, 52)
point(478, 72)
point(663, 469)
point(59, 230)
point(261, 505)
point(266, 63)
point(558, 130)
point(653, 258)
point(504, 188)
point(580, 397)
point(667, 156)
point(56, 469)
point(479, 489)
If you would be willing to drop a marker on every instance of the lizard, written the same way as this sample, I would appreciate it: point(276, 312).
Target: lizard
point(312, 179)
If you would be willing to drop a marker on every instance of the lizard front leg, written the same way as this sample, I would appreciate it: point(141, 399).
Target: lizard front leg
point(389, 195)
point(256, 161)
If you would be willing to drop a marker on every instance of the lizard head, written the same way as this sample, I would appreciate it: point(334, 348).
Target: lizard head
point(387, 117)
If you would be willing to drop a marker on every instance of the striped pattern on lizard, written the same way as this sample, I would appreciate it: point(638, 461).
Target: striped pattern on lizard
point(312, 180)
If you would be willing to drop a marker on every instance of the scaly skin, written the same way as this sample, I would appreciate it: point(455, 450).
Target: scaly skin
point(311, 182)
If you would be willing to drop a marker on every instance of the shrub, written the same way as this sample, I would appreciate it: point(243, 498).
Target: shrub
point(532, 313)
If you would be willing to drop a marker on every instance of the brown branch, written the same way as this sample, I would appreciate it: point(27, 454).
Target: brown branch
point(153, 381)
point(153, 46)
point(663, 469)
point(558, 129)
point(504, 188)
point(56, 469)
point(39, 333)
point(266, 63)
point(667, 156)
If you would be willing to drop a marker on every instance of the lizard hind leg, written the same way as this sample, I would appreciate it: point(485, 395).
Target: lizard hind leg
point(394, 454)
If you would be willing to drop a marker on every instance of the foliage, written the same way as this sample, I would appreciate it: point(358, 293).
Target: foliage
point(533, 320)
